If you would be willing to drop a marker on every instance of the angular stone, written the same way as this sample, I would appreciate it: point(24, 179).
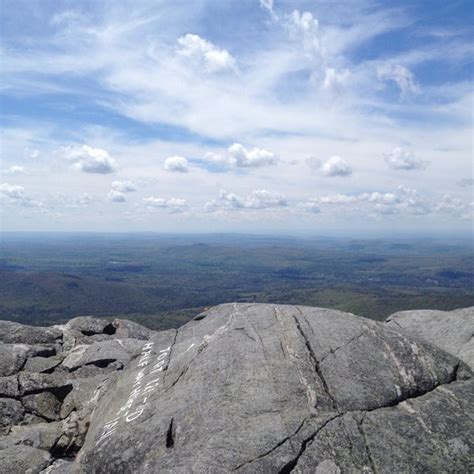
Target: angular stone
point(43, 404)
point(11, 413)
point(11, 333)
point(453, 331)
point(24, 460)
point(12, 358)
point(40, 435)
point(129, 329)
point(101, 354)
point(42, 364)
point(9, 387)
point(59, 384)
point(88, 325)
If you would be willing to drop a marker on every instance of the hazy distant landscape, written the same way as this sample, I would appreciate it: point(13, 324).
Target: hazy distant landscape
point(164, 280)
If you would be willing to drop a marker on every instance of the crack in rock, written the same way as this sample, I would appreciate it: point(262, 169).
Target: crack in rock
point(315, 362)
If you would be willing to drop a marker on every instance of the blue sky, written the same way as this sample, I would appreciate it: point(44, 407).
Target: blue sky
point(251, 116)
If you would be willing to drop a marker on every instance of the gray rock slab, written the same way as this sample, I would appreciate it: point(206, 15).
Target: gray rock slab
point(11, 333)
point(247, 387)
point(101, 354)
point(9, 387)
point(11, 413)
point(32, 382)
point(43, 364)
point(129, 329)
point(453, 331)
point(44, 404)
point(24, 460)
point(40, 435)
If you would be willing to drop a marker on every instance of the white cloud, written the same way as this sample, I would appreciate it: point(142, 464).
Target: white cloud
point(176, 164)
point(171, 204)
point(206, 53)
point(401, 159)
point(124, 186)
point(12, 191)
point(403, 200)
point(90, 160)
point(116, 196)
point(16, 195)
point(450, 204)
point(402, 76)
point(258, 199)
point(305, 26)
point(251, 158)
point(238, 156)
point(334, 81)
point(336, 166)
point(268, 6)
point(15, 169)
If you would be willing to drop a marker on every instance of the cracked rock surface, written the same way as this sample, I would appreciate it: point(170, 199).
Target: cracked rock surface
point(243, 387)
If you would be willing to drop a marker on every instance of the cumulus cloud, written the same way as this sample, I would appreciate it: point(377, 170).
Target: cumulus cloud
point(450, 204)
point(401, 159)
point(403, 200)
point(402, 76)
point(16, 195)
point(116, 196)
point(12, 191)
point(206, 53)
point(258, 199)
point(90, 160)
point(124, 186)
point(336, 166)
point(12, 170)
point(240, 157)
point(176, 164)
point(171, 204)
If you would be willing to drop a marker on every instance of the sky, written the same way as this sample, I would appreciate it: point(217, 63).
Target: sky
point(312, 116)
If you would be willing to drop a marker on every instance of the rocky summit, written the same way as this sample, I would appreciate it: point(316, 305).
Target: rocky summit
point(251, 388)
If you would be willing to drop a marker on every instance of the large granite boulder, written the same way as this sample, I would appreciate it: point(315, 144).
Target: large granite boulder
point(243, 387)
point(453, 331)
point(266, 388)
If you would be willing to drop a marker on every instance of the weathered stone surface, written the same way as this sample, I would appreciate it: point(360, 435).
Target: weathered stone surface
point(12, 358)
point(11, 333)
point(11, 413)
point(24, 460)
point(41, 436)
point(243, 387)
point(62, 466)
point(43, 404)
point(58, 384)
point(453, 331)
point(101, 354)
point(9, 387)
point(88, 325)
point(129, 329)
point(42, 364)
point(266, 388)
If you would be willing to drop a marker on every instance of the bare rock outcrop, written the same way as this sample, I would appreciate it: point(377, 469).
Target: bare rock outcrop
point(243, 387)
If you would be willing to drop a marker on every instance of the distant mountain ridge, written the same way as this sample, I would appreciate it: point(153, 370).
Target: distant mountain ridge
point(242, 387)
